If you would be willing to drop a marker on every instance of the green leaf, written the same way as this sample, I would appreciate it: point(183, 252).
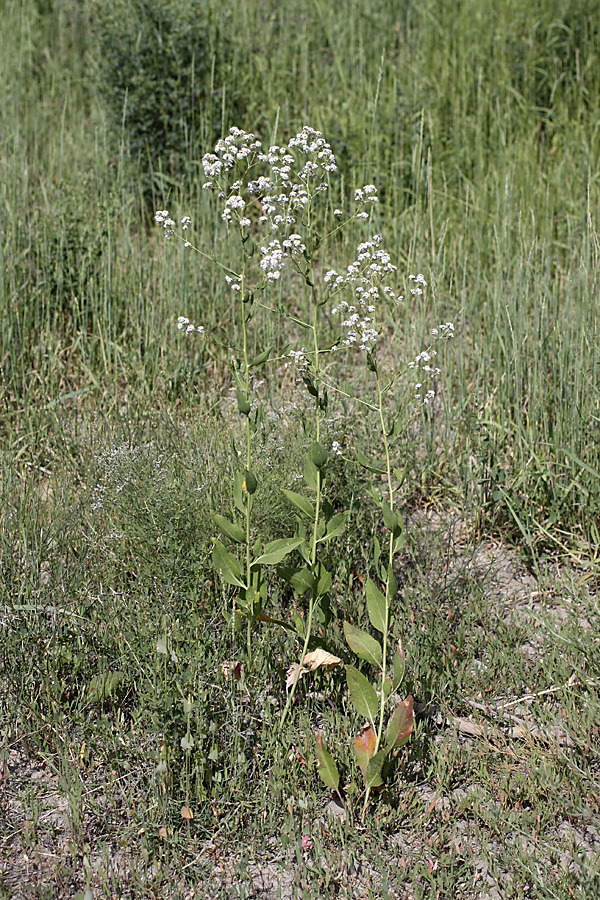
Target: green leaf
point(367, 464)
point(362, 694)
point(238, 492)
point(361, 643)
point(376, 607)
point(230, 529)
point(311, 474)
point(376, 551)
point(326, 766)
point(161, 647)
point(301, 580)
point(301, 503)
point(275, 551)
point(392, 587)
point(399, 664)
point(318, 454)
point(400, 725)
point(335, 526)
point(390, 519)
point(373, 776)
point(244, 405)
point(230, 569)
point(310, 384)
point(261, 358)
point(324, 580)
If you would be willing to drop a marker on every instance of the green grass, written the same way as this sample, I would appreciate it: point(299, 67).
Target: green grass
point(478, 122)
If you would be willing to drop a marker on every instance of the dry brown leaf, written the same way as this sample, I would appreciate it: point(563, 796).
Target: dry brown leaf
point(232, 669)
point(291, 675)
point(186, 813)
point(321, 659)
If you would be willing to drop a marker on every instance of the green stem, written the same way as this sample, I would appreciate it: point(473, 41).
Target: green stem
point(382, 697)
point(313, 555)
point(248, 460)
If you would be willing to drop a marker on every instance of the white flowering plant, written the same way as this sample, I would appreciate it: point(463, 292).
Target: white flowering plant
point(274, 203)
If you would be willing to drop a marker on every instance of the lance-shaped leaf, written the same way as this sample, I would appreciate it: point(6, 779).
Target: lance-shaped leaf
point(263, 617)
point(261, 358)
point(390, 519)
point(335, 526)
point(366, 463)
point(373, 776)
point(399, 664)
point(401, 724)
point(301, 580)
point(229, 529)
point(376, 607)
point(361, 643)
point(301, 503)
point(324, 580)
point(311, 474)
point(275, 551)
point(228, 566)
point(362, 694)
point(238, 492)
point(365, 744)
point(326, 766)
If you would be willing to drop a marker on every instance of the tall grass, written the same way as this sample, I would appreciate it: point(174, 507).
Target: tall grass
point(478, 125)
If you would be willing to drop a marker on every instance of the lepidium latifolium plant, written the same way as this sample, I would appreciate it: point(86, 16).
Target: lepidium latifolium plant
point(274, 205)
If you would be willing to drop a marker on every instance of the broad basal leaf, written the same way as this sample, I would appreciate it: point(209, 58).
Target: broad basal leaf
point(373, 776)
point(365, 744)
point(335, 526)
point(401, 724)
point(361, 643)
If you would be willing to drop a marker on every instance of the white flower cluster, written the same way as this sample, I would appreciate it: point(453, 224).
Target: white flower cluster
point(183, 323)
point(238, 145)
point(280, 195)
point(162, 217)
point(274, 256)
point(419, 280)
point(365, 277)
point(312, 144)
point(423, 364)
point(443, 331)
point(300, 359)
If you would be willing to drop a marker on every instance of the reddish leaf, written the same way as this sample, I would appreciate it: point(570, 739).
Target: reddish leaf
point(365, 744)
point(401, 723)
